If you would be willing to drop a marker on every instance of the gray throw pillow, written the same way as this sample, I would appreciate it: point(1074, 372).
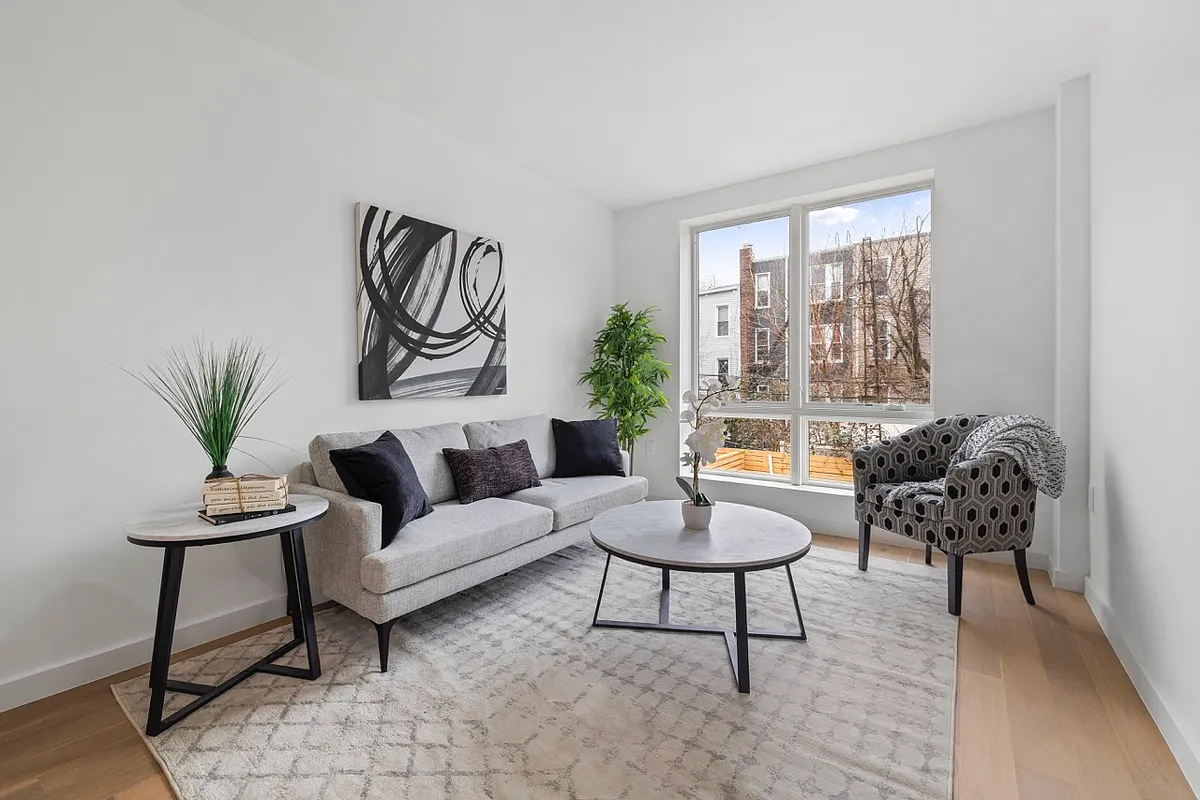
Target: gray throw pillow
point(492, 471)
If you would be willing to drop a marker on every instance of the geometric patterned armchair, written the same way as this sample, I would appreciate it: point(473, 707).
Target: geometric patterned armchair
point(987, 506)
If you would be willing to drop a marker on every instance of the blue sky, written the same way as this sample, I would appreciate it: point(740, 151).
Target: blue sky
point(883, 216)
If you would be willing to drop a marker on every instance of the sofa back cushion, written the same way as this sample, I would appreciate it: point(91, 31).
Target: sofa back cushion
point(423, 445)
point(534, 430)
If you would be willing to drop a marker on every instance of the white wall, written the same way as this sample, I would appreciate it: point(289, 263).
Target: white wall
point(994, 278)
point(1145, 551)
point(159, 176)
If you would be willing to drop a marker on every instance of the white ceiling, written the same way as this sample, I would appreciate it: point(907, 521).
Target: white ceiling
point(630, 101)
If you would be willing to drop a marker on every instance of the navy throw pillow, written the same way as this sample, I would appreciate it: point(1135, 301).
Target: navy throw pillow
point(586, 447)
point(383, 473)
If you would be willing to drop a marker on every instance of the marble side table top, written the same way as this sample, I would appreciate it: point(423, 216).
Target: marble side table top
point(180, 525)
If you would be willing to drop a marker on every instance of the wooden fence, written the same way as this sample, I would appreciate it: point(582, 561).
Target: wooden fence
point(769, 462)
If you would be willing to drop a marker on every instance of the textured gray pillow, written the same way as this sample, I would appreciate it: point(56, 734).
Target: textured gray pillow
point(535, 430)
point(492, 471)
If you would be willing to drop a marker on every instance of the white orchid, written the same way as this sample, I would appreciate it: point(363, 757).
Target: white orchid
point(707, 436)
point(706, 440)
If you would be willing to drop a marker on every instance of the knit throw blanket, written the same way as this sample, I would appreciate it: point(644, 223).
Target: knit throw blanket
point(1030, 441)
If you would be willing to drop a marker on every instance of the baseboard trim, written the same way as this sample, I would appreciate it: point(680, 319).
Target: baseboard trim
point(36, 685)
point(1067, 581)
point(1188, 758)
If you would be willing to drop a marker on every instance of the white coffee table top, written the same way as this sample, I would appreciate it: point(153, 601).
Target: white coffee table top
point(739, 537)
point(180, 525)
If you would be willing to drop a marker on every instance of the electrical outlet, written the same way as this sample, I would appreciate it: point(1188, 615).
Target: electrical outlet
point(1091, 498)
point(649, 447)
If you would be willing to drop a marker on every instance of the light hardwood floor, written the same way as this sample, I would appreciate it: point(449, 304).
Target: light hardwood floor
point(1045, 711)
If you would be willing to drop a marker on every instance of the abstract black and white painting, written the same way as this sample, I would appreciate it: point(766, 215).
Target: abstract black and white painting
point(430, 309)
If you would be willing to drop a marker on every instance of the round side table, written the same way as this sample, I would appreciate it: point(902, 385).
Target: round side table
point(179, 528)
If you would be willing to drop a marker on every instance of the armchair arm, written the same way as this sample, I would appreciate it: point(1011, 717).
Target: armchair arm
point(337, 543)
point(991, 502)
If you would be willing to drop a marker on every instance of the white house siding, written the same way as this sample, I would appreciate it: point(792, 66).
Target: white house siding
point(713, 347)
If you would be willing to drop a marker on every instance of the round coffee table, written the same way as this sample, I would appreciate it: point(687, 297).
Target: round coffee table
point(175, 530)
point(740, 539)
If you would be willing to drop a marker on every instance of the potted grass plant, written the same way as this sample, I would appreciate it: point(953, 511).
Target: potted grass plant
point(214, 391)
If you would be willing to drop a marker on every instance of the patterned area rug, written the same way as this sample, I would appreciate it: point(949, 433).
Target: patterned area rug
point(505, 691)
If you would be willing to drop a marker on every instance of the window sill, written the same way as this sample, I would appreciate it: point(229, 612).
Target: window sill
point(782, 485)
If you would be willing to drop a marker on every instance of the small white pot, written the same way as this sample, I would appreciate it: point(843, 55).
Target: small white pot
point(696, 517)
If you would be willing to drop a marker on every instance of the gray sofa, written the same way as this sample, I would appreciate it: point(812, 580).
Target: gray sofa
point(457, 546)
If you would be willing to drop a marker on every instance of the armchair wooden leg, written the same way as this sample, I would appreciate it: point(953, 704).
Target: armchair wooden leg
point(954, 576)
point(1023, 574)
point(864, 545)
point(384, 631)
point(929, 554)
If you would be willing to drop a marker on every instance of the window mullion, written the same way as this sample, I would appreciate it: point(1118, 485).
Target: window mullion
point(798, 336)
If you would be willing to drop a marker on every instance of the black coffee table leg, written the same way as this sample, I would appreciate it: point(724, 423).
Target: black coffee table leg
point(664, 599)
point(796, 603)
point(164, 636)
point(600, 595)
point(737, 641)
point(741, 632)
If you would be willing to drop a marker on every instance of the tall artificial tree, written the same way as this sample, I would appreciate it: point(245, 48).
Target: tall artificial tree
point(626, 376)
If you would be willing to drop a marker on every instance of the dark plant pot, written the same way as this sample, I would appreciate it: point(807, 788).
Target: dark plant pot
point(219, 471)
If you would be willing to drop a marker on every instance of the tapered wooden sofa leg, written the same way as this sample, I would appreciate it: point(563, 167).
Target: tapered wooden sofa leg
point(1023, 574)
point(864, 545)
point(384, 631)
point(954, 580)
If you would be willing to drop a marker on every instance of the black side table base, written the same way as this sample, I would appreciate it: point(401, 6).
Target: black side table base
point(736, 641)
point(295, 567)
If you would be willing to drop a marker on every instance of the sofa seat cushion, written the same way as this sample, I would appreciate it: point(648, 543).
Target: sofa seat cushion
point(575, 500)
point(424, 448)
point(923, 506)
point(452, 536)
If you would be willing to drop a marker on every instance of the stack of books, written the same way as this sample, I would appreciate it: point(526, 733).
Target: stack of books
point(247, 497)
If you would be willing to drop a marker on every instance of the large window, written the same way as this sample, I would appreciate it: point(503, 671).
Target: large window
point(861, 293)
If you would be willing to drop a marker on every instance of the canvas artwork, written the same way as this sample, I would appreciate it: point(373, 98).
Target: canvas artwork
point(430, 309)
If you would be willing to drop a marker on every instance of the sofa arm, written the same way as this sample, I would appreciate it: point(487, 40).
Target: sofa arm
point(337, 543)
point(356, 526)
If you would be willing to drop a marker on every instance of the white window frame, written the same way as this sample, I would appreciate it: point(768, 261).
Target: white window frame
point(726, 360)
point(761, 357)
point(717, 323)
point(800, 409)
point(765, 288)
